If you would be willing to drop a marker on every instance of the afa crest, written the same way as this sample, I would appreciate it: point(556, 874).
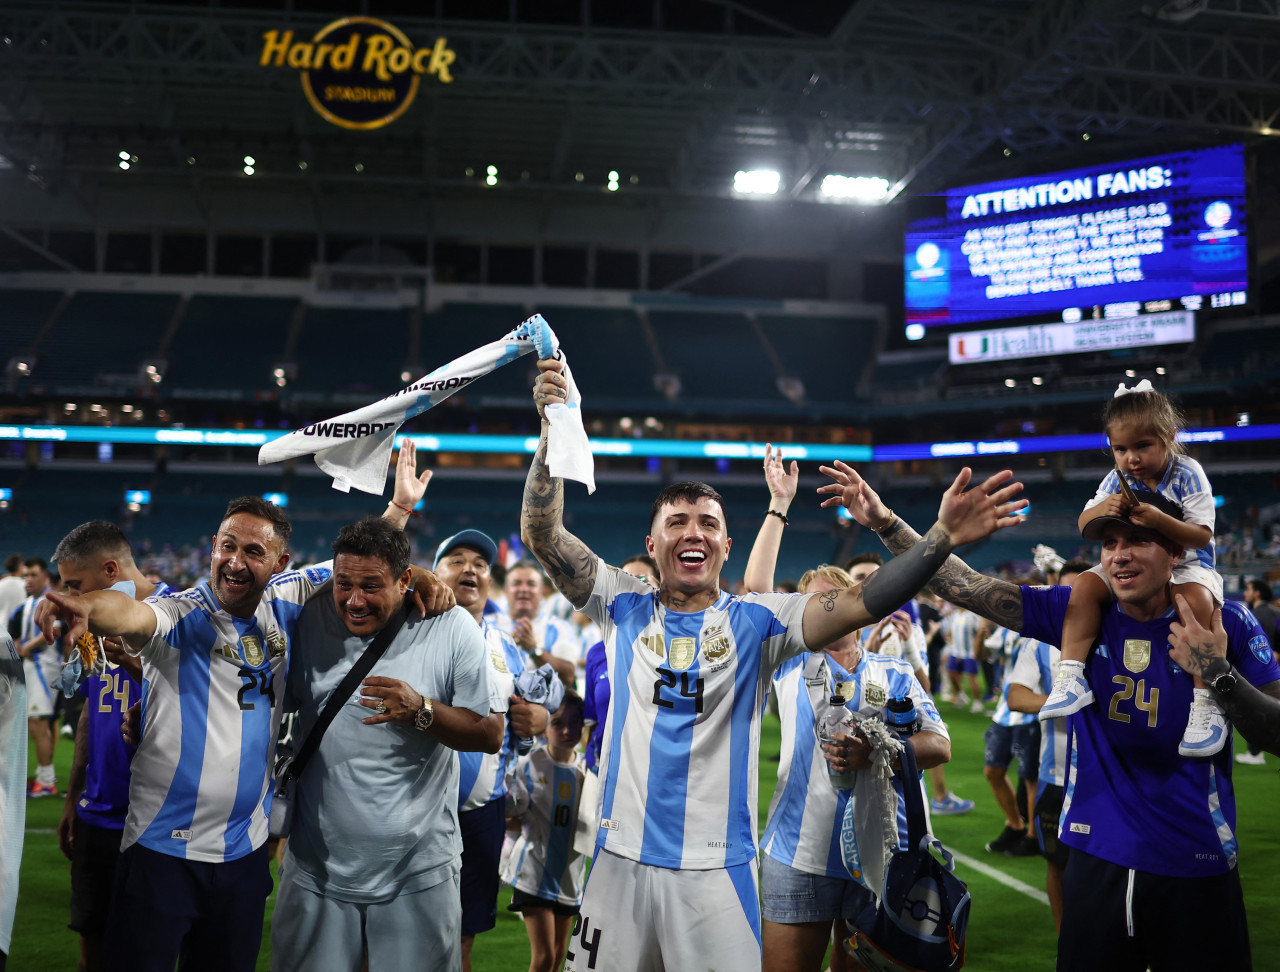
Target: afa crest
point(875, 693)
point(277, 644)
point(716, 648)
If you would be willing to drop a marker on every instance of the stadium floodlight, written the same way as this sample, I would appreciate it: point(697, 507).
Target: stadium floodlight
point(151, 371)
point(248, 170)
point(20, 366)
point(861, 188)
point(124, 156)
point(283, 372)
point(756, 182)
point(250, 160)
point(613, 180)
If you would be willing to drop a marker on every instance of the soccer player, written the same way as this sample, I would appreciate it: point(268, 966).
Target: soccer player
point(372, 858)
point(672, 884)
point(543, 869)
point(95, 556)
point(963, 663)
point(463, 563)
point(1136, 813)
point(42, 662)
point(193, 874)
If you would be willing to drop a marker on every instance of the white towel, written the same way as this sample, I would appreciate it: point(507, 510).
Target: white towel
point(355, 448)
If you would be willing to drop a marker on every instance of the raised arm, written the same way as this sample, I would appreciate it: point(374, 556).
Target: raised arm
point(567, 560)
point(409, 486)
point(955, 581)
point(102, 612)
point(764, 552)
point(963, 517)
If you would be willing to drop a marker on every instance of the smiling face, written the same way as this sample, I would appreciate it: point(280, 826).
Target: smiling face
point(246, 555)
point(690, 544)
point(466, 572)
point(524, 592)
point(1139, 567)
point(365, 593)
point(1138, 451)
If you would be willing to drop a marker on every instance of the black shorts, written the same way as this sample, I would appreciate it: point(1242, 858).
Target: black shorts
point(1048, 816)
point(1173, 924)
point(520, 901)
point(482, 831)
point(93, 874)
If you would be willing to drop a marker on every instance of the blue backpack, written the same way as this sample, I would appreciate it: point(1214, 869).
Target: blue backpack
point(919, 921)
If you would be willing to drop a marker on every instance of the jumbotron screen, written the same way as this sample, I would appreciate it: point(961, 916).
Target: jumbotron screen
point(1166, 231)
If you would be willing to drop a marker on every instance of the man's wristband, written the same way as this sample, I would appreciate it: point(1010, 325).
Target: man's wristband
point(780, 516)
point(885, 523)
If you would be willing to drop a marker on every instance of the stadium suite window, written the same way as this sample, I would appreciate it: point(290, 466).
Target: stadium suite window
point(128, 253)
point(184, 253)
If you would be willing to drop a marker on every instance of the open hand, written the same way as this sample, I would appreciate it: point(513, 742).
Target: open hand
point(409, 486)
point(853, 493)
point(980, 512)
point(1193, 646)
point(781, 482)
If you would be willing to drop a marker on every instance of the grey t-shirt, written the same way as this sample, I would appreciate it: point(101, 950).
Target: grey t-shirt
point(377, 805)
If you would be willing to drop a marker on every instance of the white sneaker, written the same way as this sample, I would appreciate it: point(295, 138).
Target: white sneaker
point(960, 699)
point(1070, 694)
point(1251, 759)
point(977, 708)
point(1206, 728)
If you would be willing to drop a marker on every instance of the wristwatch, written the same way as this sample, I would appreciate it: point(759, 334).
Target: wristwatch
point(425, 716)
point(1224, 683)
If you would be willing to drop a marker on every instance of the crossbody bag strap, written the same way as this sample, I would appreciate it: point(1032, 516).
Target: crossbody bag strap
point(338, 697)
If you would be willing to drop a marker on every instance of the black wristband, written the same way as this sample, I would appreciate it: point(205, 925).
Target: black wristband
point(780, 516)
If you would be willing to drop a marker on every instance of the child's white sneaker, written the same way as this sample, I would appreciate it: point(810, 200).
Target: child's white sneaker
point(1071, 692)
point(1206, 728)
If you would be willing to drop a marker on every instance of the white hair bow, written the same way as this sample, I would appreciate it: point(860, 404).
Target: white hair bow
point(1142, 386)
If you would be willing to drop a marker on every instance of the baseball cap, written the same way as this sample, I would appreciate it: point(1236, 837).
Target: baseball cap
point(468, 538)
point(1093, 529)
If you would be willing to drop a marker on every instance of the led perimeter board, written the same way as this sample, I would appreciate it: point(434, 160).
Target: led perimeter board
point(1165, 228)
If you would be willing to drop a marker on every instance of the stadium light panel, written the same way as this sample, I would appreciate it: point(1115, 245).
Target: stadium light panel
point(124, 156)
point(250, 160)
point(861, 188)
point(756, 182)
point(248, 170)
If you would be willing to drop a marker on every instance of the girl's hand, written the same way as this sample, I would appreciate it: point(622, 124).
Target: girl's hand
point(1113, 505)
point(1146, 515)
point(781, 482)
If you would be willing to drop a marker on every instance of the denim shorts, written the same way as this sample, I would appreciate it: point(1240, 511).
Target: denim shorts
point(1003, 744)
point(791, 897)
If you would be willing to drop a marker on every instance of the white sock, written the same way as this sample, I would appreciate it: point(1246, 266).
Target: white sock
point(1205, 695)
point(44, 775)
point(1071, 667)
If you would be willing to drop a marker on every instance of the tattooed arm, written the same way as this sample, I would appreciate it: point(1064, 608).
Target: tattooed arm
point(955, 581)
point(568, 561)
point(963, 517)
point(1203, 652)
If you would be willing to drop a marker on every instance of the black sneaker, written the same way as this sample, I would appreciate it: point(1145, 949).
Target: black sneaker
point(1008, 838)
point(1024, 846)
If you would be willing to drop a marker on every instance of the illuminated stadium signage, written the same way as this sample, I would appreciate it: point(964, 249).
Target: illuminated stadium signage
point(358, 72)
point(1038, 340)
point(1170, 228)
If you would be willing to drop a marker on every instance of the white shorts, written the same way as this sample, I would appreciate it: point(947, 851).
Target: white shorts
point(640, 918)
point(41, 672)
point(1210, 580)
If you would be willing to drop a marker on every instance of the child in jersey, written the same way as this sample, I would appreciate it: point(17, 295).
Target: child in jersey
point(544, 871)
point(1142, 426)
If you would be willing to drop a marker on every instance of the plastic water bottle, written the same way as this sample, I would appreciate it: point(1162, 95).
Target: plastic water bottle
point(900, 717)
point(836, 721)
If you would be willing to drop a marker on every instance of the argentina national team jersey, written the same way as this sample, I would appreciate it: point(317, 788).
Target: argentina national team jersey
point(1035, 665)
point(482, 776)
point(805, 815)
point(211, 694)
point(1130, 798)
point(964, 634)
point(1007, 644)
point(678, 761)
point(544, 795)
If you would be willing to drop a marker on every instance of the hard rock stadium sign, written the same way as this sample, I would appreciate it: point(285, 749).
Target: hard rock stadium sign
point(358, 72)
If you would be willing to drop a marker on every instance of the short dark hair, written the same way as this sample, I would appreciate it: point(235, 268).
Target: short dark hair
point(12, 563)
point(257, 506)
point(498, 574)
point(691, 491)
point(1075, 567)
point(374, 537)
point(1262, 587)
point(36, 562)
point(573, 704)
point(89, 540)
point(863, 558)
point(644, 558)
point(525, 563)
point(787, 586)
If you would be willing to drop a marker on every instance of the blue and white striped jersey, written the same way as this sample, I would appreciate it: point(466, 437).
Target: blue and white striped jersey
point(212, 688)
point(1185, 483)
point(1007, 644)
point(805, 815)
point(964, 633)
point(482, 776)
point(678, 761)
point(544, 795)
point(1035, 665)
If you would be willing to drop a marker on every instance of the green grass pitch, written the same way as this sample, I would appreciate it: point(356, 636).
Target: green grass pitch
point(1008, 930)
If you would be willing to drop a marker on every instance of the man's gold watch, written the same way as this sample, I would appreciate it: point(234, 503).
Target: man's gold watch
point(425, 716)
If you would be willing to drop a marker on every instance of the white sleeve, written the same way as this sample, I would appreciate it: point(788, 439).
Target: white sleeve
point(610, 582)
point(1110, 484)
point(785, 637)
point(1197, 505)
point(1026, 670)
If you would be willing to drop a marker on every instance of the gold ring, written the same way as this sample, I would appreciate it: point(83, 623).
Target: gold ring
point(381, 706)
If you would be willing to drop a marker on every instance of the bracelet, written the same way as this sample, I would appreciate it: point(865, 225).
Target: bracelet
point(780, 516)
point(405, 508)
point(885, 523)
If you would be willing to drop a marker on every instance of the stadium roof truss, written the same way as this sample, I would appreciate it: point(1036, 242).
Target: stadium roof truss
point(920, 92)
